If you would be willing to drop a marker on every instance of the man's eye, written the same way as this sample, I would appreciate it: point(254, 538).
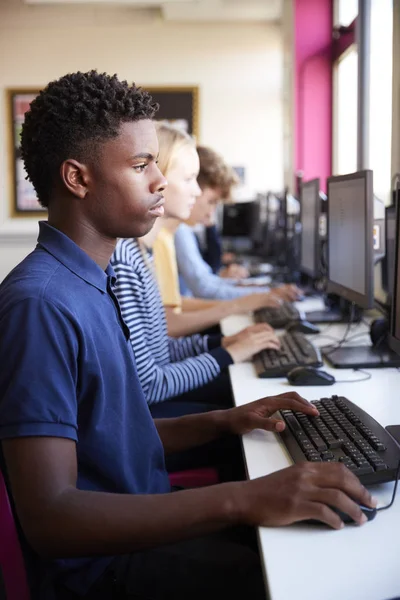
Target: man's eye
point(140, 168)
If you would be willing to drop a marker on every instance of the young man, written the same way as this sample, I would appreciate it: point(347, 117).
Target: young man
point(83, 460)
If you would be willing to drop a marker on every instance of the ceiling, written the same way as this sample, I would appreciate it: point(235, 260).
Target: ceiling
point(194, 10)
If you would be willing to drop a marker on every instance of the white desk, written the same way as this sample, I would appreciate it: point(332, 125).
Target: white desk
point(313, 562)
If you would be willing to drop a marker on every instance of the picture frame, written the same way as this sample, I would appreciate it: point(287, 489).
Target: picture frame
point(178, 105)
point(23, 199)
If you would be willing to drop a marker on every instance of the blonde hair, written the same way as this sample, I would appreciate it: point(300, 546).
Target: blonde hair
point(171, 140)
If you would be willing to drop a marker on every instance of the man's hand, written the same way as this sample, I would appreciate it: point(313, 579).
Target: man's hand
point(301, 492)
point(258, 414)
point(251, 340)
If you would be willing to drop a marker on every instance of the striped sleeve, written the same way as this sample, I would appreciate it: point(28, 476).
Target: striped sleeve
point(163, 373)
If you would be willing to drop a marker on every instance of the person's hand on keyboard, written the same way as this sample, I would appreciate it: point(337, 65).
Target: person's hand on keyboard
point(250, 341)
point(287, 292)
point(259, 414)
point(303, 492)
point(255, 301)
point(234, 271)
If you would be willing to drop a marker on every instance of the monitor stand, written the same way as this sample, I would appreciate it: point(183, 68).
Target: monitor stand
point(362, 357)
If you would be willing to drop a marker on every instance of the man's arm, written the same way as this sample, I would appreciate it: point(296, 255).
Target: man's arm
point(189, 431)
point(186, 432)
point(60, 520)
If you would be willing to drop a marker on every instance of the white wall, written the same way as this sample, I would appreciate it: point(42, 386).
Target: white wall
point(238, 68)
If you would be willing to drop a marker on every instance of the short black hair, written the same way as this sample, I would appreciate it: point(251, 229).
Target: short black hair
point(70, 116)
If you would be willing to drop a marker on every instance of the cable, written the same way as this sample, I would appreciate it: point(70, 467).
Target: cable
point(349, 339)
point(394, 490)
point(346, 333)
point(368, 376)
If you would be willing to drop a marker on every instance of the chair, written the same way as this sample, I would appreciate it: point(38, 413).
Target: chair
point(192, 478)
point(13, 577)
point(11, 560)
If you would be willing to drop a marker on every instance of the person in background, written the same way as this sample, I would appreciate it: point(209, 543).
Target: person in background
point(196, 276)
point(175, 369)
point(189, 315)
point(214, 172)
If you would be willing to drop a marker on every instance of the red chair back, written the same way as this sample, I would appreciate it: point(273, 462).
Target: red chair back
point(193, 478)
point(11, 560)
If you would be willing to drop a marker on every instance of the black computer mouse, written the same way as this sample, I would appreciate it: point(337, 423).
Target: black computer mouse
point(302, 327)
point(370, 513)
point(309, 376)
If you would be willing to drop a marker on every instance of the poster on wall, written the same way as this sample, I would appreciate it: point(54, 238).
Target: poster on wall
point(178, 105)
point(24, 201)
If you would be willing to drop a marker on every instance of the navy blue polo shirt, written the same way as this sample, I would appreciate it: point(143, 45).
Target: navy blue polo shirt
point(67, 370)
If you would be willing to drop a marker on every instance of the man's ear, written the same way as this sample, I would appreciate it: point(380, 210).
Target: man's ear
point(75, 177)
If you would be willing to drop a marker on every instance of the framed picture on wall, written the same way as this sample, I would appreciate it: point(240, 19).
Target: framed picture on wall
point(178, 105)
point(24, 202)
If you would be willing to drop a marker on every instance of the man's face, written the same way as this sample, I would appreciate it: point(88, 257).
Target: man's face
point(125, 189)
point(204, 210)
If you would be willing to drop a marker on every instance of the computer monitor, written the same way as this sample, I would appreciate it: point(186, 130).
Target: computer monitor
point(352, 205)
point(390, 243)
point(238, 219)
point(309, 217)
point(394, 335)
point(350, 235)
point(259, 221)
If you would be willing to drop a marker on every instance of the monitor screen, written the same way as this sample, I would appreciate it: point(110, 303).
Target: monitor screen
point(390, 233)
point(238, 219)
point(394, 337)
point(350, 237)
point(309, 217)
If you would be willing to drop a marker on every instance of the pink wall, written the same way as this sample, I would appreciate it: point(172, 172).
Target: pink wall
point(313, 21)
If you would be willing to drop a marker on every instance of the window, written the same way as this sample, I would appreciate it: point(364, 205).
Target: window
point(380, 95)
point(345, 12)
point(345, 112)
point(380, 118)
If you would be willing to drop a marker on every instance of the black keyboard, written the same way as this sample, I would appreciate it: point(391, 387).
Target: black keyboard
point(296, 350)
point(278, 317)
point(344, 433)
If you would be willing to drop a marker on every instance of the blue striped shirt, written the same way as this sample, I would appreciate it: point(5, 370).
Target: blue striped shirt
point(166, 366)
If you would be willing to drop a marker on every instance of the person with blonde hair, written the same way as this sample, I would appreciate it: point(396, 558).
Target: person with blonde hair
point(179, 161)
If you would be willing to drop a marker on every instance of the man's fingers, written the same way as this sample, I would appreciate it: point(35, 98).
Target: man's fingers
point(336, 499)
point(293, 396)
point(296, 404)
point(318, 511)
point(268, 424)
point(339, 476)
